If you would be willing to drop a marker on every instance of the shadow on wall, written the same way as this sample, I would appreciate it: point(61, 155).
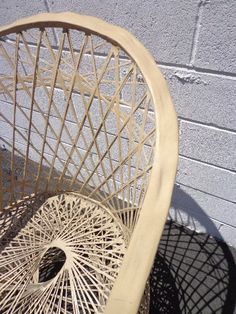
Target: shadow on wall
point(192, 273)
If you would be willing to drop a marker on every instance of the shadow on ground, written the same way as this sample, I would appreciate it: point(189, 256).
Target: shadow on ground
point(192, 273)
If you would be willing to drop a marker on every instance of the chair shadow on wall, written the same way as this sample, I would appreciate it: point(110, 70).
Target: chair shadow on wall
point(192, 273)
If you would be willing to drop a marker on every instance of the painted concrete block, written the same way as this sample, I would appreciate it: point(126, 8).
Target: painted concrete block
point(209, 179)
point(195, 202)
point(216, 43)
point(208, 144)
point(11, 10)
point(165, 28)
point(206, 98)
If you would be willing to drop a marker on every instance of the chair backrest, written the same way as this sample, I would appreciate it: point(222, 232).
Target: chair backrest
point(77, 111)
point(84, 108)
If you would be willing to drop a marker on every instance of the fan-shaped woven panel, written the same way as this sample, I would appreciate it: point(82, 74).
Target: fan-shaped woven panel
point(76, 114)
point(64, 260)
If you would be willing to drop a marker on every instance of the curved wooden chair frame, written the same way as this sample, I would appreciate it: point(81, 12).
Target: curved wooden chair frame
point(137, 262)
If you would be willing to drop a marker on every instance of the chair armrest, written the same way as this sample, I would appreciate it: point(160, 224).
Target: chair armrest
point(130, 283)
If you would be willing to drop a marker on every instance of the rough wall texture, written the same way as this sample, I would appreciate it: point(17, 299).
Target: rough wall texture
point(193, 42)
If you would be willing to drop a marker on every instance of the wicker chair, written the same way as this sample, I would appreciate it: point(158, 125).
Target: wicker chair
point(88, 159)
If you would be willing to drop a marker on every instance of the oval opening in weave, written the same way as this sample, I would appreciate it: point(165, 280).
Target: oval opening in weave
point(51, 263)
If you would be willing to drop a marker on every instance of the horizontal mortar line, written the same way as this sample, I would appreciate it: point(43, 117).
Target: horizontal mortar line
point(81, 149)
point(124, 138)
point(207, 125)
point(146, 145)
point(195, 69)
point(83, 169)
point(221, 222)
point(163, 64)
point(207, 193)
point(65, 49)
point(87, 127)
point(88, 169)
point(73, 122)
point(122, 103)
point(208, 164)
point(203, 215)
point(192, 227)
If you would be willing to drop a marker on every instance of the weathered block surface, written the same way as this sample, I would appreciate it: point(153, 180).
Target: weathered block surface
point(216, 46)
point(207, 98)
point(208, 144)
point(11, 10)
point(165, 27)
point(197, 202)
point(206, 178)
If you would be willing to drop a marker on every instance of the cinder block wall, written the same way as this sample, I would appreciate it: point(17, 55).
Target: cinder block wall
point(193, 41)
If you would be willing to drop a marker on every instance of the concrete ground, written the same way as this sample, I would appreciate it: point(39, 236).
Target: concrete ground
point(192, 273)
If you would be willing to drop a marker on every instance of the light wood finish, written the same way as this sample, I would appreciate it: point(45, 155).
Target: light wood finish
point(93, 242)
point(84, 110)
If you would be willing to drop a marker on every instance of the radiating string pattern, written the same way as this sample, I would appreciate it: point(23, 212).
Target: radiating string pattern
point(93, 244)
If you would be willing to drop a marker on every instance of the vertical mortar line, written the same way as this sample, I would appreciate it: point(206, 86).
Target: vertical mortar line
point(46, 3)
point(196, 33)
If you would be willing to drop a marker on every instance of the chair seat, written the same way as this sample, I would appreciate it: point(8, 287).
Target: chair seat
point(65, 259)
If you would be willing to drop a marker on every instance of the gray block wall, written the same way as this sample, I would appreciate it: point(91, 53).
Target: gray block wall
point(193, 41)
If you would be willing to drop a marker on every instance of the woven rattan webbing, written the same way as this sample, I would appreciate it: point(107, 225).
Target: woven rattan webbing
point(88, 154)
